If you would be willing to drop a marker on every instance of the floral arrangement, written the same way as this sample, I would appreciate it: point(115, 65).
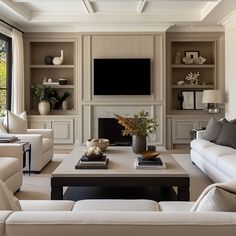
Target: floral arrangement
point(141, 124)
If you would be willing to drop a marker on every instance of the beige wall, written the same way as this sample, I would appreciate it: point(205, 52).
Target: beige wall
point(230, 69)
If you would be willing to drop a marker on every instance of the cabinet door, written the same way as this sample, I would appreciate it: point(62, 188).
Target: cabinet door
point(181, 131)
point(63, 131)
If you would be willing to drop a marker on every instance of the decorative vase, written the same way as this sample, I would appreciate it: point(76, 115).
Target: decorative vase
point(44, 107)
point(138, 144)
point(58, 60)
point(64, 105)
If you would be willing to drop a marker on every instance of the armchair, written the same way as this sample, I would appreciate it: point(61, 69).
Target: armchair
point(41, 141)
point(11, 164)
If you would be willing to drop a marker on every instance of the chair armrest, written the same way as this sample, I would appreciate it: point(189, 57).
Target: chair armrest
point(200, 134)
point(46, 133)
point(11, 150)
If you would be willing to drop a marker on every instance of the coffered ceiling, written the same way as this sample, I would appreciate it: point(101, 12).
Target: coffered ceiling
point(114, 15)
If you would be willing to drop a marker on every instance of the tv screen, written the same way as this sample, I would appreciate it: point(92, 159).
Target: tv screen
point(122, 76)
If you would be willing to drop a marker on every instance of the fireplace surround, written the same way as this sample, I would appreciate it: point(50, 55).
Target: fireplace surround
point(109, 128)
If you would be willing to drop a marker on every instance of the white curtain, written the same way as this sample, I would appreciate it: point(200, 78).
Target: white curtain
point(18, 101)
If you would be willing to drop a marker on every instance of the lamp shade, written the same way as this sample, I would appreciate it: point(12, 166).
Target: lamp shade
point(212, 96)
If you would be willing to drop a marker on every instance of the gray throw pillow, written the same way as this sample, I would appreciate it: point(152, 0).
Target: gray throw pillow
point(213, 129)
point(227, 136)
point(233, 121)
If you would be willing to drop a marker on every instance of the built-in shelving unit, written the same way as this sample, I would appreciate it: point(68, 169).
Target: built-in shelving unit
point(179, 120)
point(38, 70)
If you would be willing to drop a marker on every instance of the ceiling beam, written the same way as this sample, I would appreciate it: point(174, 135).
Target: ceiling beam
point(208, 8)
point(141, 5)
point(88, 6)
point(16, 9)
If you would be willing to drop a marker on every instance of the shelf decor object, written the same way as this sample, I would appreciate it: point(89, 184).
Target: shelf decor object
point(212, 98)
point(58, 60)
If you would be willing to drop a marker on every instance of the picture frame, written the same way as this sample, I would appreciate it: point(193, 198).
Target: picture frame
point(198, 101)
point(192, 54)
point(187, 100)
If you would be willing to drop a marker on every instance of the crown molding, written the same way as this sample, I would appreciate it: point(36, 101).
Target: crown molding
point(229, 22)
point(196, 29)
point(125, 27)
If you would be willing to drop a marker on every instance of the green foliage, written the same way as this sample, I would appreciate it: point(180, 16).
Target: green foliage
point(140, 124)
point(45, 93)
point(3, 71)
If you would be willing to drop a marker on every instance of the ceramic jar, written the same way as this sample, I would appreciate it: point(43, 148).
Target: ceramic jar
point(44, 107)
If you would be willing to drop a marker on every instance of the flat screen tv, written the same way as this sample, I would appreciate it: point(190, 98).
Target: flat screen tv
point(122, 76)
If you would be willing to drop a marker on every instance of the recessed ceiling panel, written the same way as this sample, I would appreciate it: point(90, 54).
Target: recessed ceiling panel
point(55, 6)
point(174, 7)
point(115, 6)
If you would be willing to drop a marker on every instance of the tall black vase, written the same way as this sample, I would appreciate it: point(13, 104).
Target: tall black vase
point(138, 144)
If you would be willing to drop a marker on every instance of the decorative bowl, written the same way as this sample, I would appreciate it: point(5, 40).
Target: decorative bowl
point(102, 143)
point(150, 154)
point(62, 81)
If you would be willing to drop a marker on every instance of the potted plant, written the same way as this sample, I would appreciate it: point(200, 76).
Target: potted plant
point(139, 126)
point(45, 97)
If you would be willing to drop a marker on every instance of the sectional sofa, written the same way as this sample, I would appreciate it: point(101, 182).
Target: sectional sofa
point(214, 153)
point(114, 217)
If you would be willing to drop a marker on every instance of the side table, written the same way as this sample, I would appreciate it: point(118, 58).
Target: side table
point(26, 150)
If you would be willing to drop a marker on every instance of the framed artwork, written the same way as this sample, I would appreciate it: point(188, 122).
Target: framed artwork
point(187, 100)
point(198, 101)
point(192, 54)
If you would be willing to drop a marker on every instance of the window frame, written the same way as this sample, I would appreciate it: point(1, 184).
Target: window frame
point(8, 70)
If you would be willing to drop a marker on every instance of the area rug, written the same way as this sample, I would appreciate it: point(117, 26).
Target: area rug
point(37, 186)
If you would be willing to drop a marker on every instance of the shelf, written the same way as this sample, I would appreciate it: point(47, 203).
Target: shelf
point(52, 66)
point(193, 86)
point(193, 66)
point(61, 86)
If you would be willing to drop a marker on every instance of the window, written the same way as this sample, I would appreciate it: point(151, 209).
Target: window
point(5, 73)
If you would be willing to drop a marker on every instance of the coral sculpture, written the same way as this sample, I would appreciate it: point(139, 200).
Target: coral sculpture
point(192, 78)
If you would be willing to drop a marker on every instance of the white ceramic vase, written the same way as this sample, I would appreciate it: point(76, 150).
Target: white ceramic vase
point(44, 107)
point(64, 105)
point(58, 60)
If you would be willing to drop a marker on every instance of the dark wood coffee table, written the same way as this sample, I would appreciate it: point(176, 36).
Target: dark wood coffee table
point(121, 173)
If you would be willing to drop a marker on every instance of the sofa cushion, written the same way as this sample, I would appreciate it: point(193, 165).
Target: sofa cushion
point(227, 136)
point(8, 167)
point(7, 199)
point(198, 145)
point(227, 165)
point(218, 199)
point(175, 206)
point(214, 151)
point(46, 205)
point(116, 205)
point(213, 129)
point(15, 124)
point(47, 144)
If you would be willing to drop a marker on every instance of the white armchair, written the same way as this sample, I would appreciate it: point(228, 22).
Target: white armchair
point(11, 164)
point(41, 141)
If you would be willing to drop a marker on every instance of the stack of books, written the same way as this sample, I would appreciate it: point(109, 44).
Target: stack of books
point(8, 139)
point(150, 164)
point(92, 163)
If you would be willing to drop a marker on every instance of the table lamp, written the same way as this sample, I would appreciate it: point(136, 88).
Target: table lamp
point(212, 98)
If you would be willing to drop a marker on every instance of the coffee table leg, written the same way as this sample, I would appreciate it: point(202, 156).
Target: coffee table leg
point(183, 193)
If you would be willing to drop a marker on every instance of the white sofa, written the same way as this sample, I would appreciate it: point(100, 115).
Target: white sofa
point(114, 217)
point(11, 164)
point(216, 161)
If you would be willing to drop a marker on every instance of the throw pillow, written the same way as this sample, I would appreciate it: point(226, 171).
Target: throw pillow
point(233, 121)
point(7, 200)
point(213, 129)
point(218, 199)
point(227, 136)
point(15, 124)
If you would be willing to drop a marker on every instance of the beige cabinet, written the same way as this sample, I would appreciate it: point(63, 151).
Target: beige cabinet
point(63, 127)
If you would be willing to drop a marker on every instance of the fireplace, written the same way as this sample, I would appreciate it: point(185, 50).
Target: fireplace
point(110, 128)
